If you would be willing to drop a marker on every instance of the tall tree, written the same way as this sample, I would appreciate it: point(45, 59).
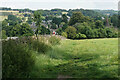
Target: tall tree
point(64, 18)
point(57, 21)
point(77, 17)
point(38, 20)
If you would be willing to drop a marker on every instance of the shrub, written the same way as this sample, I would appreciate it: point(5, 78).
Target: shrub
point(18, 60)
point(53, 40)
point(89, 33)
point(115, 35)
point(110, 33)
point(4, 34)
point(96, 33)
point(71, 32)
point(64, 34)
point(59, 31)
point(82, 36)
point(40, 46)
point(102, 33)
point(77, 36)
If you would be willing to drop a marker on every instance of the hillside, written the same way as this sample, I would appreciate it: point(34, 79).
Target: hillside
point(95, 58)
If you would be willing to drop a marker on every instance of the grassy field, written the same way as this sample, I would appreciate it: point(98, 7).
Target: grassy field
point(95, 58)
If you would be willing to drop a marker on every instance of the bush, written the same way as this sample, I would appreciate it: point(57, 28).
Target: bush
point(40, 46)
point(71, 32)
point(102, 33)
point(77, 36)
point(4, 34)
point(110, 33)
point(96, 33)
point(64, 34)
point(115, 35)
point(17, 60)
point(89, 33)
point(80, 36)
point(53, 40)
point(59, 31)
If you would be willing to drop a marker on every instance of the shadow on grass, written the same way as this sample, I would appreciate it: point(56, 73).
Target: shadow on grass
point(79, 67)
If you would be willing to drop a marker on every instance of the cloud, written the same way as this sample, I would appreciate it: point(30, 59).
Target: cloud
point(66, 4)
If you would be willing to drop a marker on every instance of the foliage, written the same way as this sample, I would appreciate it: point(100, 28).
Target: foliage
point(17, 29)
point(53, 40)
point(4, 34)
point(48, 18)
point(111, 33)
point(114, 20)
point(64, 27)
point(30, 20)
point(99, 24)
point(38, 20)
point(81, 36)
point(57, 21)
point(12, 18)
point(26, 30)
point(53, 26)
point(44, 30)
point(64, 18)
point(40, 46)
point(89, 33)
point(59, 31)
point(71, 32)
point(102, 33)
point(64, 34)
point(78, 17)
point(18, 60)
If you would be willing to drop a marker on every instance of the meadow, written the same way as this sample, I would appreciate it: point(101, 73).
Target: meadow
point(89, 58)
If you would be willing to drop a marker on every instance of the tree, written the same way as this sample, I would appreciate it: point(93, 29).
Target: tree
point(99, 24)
point(38, 20)
point(53, 26)
point(57, 21)
point(59, 31)
point(64, 27)
point(77, 17)
point(96, 33)
point(48, 18)
point(12, 18)
point(30, 20)
point(26, 30)
point(44, 30)
point(109, 32)
point(114, 20)
point(89, 33)
point(16, 30)
point(64, 18)
point(102, 33)
point(71, 32)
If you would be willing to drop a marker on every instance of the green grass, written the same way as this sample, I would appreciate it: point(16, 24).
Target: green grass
point(95, 58)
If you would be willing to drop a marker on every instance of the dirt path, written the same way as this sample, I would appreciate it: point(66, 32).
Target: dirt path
point(61, 77)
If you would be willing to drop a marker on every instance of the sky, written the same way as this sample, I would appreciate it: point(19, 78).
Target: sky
point(63, 4)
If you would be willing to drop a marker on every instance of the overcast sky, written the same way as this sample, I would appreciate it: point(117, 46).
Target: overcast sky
point(63, 4)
